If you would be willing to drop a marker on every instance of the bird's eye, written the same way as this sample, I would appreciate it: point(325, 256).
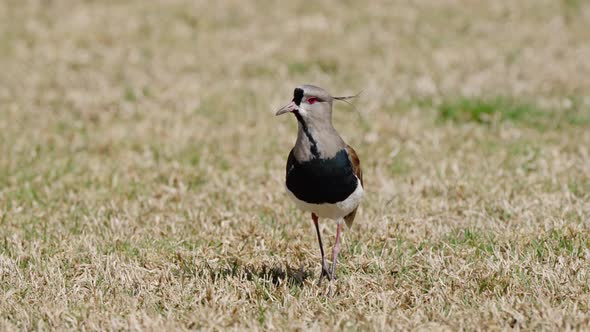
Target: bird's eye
point(312, 100)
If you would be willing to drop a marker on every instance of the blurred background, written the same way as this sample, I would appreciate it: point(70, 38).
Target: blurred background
point(140, 155)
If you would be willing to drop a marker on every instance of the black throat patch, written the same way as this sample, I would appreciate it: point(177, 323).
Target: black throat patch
point(313, 145)
point(297, 97)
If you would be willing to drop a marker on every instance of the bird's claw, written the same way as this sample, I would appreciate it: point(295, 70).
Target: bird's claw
point(325, 274)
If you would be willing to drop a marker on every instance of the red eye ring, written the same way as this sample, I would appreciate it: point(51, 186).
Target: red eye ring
point(312, 100)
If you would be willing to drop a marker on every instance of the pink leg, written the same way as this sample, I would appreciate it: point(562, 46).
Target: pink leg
point(325, 272)
point(336, 250)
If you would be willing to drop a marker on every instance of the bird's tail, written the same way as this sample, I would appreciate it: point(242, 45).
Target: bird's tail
point(349, 218)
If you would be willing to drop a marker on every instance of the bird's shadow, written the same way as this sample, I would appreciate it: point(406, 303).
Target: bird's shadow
point(275, 274)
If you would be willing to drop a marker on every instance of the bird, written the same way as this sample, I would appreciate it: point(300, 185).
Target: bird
point(323, 173)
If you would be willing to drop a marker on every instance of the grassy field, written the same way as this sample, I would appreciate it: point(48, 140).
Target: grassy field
point(142, 168)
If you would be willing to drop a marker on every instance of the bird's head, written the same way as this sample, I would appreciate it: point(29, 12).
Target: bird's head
point(310, 102)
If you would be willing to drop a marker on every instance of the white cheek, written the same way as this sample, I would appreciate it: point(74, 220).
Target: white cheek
point(302, 111)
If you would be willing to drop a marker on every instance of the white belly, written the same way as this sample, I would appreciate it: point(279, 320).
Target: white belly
point(332, 211)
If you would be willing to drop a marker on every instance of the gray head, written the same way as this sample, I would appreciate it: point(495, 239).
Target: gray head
point(310, 102)
point(312, 106)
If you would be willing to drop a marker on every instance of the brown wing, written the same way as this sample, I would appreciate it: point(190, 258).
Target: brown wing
point(356, 167)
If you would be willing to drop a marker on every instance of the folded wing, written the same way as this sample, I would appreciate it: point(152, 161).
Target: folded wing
point(356, 166)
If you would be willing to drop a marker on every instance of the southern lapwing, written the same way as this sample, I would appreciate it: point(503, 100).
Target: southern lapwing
point(324, 174)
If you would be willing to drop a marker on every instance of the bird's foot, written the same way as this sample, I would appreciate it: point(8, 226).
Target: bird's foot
point(325, 273)
point(332, 277)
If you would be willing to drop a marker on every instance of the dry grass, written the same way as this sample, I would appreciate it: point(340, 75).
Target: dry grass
point(141, 167)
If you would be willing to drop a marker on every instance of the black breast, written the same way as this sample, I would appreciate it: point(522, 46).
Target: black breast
point(320, 181)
